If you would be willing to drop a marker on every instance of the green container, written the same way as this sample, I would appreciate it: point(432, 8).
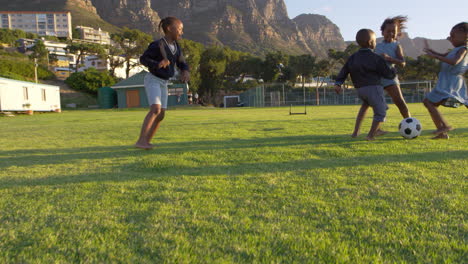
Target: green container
point(107, 98)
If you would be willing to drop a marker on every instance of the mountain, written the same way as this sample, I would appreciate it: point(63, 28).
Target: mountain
point(255, 26)
point(415, 47)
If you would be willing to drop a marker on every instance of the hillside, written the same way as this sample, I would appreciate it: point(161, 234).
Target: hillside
point(255, 26)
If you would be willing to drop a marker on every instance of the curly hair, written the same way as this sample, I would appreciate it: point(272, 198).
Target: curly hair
point(463, 27)
point(167, 22)
point(400, 21)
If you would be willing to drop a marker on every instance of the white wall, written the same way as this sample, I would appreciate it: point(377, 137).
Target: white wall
point(93, 61)
point(12, 96)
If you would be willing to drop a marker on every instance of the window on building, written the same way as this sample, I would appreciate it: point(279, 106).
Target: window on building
point(44, 98)
point(25, 93)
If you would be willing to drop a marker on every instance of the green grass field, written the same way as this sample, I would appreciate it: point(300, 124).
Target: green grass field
point(231, 186)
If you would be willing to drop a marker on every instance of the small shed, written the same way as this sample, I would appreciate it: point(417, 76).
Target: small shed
point(27, 96)
point(131, 92)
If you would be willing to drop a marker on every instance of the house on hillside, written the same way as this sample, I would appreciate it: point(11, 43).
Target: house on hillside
point(24, 96)
point(102, 64)
point(131, 92)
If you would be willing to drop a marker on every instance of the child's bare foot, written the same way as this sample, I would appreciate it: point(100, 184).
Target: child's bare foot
point(380, 132)
point(442, 136)
point(369, 138)
point(143, 146)
point(442, 130)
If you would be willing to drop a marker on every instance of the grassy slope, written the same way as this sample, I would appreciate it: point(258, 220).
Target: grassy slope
point(240, 185)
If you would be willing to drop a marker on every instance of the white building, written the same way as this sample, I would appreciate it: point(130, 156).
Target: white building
point(58, 24)
point(94, 35)
point(25, 96)
point(99, 64)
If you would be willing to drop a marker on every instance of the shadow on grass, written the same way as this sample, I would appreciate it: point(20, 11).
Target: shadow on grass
point(29, 157)
point(151, 170)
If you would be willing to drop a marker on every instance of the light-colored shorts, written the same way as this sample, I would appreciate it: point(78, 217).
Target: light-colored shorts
point(388, 82)
point(156, 90)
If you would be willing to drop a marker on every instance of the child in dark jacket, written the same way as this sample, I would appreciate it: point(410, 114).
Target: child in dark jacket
point(161, 57)
point(366, 69)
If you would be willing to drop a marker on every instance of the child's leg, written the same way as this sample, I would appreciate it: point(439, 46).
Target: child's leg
point(441, 136)
point(151, 121)
point(360, 117)
point(380, 111)
point(439, 121)
point(374, 128)
point(397, 97)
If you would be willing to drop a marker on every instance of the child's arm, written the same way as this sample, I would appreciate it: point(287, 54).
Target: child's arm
point(399, 60)
point(148, 58)
point(428, 50)
point(458, 57)
point(384, 70)
point(183, 66)
point(340, 79)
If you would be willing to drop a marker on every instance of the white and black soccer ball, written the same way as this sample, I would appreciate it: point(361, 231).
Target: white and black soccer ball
point(410, 128)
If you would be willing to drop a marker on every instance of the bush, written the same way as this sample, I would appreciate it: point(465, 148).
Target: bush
point(90, 80)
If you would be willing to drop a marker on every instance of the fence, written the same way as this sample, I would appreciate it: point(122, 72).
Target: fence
point(272, 95)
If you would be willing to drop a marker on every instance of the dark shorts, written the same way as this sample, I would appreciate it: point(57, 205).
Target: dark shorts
point(374, 97)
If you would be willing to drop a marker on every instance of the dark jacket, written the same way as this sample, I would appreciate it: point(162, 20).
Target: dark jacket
point(366, 69)
point(156, 52)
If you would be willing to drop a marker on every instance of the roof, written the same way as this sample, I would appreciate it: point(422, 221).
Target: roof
point(6, 81)
point(137, 80)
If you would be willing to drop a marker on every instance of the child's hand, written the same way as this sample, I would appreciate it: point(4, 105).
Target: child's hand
point(338, 89)
point(185, 76)
point(387, 57)
point(164, 63)
point(430, 52)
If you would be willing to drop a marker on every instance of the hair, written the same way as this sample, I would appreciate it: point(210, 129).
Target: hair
point(167, 22)
point(463, 27)
point(363, 36)
point(400, 21)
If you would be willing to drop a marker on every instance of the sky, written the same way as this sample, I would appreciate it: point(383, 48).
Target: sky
point(430, 19)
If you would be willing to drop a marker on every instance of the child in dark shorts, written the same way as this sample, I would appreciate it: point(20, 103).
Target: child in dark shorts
point(366, 69)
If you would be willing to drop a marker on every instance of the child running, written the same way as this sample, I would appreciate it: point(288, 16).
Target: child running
point(451, 87)
point(391, 50)
point(160, 58)
point(366, 69)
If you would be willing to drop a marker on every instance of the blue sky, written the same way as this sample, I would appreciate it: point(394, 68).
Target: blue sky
point(429, 19)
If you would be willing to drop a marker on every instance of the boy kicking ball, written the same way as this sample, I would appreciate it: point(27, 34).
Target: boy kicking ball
point(366, 69)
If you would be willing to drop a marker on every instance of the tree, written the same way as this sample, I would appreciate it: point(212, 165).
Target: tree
point(422, 68)
point(272, 60)
point(83, 49)
point(192, 52)
point(133, 42)
point(10, 36)
point(212, 68)
point(114, 57)
point(323, 69)
point(90, 80)
point(303, 65)
point(40, 52)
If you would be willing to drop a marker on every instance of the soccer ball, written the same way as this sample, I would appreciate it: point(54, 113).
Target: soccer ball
point(410, 128)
